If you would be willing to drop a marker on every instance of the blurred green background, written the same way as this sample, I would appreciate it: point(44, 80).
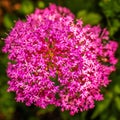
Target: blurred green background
point(103, 12)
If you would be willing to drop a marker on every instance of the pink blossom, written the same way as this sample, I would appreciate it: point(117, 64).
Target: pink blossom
point(58, 61)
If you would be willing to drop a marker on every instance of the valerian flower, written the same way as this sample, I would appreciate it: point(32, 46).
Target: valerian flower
point(58, 61)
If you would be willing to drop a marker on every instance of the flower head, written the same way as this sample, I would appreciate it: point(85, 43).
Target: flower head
point(58, 61)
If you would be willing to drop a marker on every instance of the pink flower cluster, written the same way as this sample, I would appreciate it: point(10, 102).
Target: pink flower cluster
point(56, 60)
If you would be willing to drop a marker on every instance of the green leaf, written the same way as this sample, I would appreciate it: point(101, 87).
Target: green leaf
point(114, 26)
point(82, 14)
point(110, 7)
point(8, 21)
point(117, 102)
point(8, 104)
point(112, 117)
point(27, 7)
point(103, 105)
point(65, 115)
point(41, 4)
point(49, 108)
point(89, 18)
point(117, 89)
